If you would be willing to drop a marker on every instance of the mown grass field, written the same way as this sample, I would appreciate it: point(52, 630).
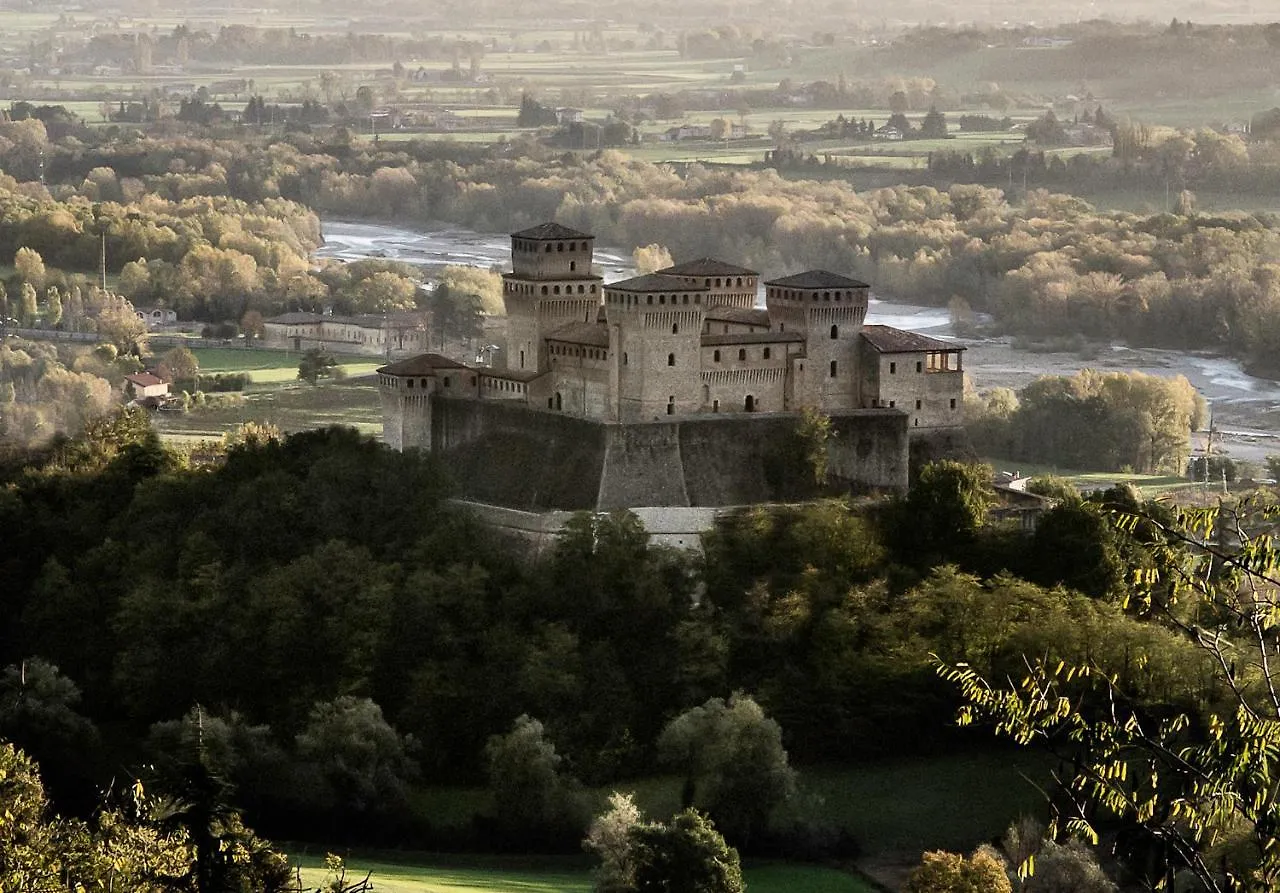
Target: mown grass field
point(276, 397)
point(492, 874)
point(273, 366)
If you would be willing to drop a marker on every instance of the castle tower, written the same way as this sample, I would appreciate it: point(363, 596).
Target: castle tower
point(406, 390)
point(828, 309)
point(726, 285)
point(550, 285)
point(655, 342)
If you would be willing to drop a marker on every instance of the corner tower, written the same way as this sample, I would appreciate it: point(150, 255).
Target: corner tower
point(550, 285)
point(828, 310)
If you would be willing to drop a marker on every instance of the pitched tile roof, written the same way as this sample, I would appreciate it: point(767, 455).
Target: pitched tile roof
point(707, 266)
point(550, 230)
point(654, 282)
point(750, 316)
point(144, 379)
point(887, 339)
point(295, 317)
point(817, 279)
point(423, 364)
point(590, 333)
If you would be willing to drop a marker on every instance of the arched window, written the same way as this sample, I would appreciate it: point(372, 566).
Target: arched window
point(556, 290)
point(739, 282)
point(559, 402)
point(742, 353)
point(573, 265)
point(835, 332)
point(767, 352)
point(671, 359)
point(717, 356)
point(544, 289)
point(675, 328)
point(750, 404)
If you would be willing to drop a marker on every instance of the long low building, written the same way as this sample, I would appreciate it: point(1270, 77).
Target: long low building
point(380, 335)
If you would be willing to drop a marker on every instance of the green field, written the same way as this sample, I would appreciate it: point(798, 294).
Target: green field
point(490, 874)
point(273, 366)
point(276, 397)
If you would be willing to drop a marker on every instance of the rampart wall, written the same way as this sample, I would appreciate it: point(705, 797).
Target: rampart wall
point(532, 460)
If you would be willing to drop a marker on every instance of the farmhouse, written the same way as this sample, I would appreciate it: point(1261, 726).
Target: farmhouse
point(674, 390)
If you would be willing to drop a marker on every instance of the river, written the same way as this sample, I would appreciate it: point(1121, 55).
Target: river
point(1246, 408)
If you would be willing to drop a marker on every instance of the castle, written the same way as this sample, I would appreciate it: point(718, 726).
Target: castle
point(675, 351)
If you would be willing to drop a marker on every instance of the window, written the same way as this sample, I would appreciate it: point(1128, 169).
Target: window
point(559, 246)
point(833, 368)
point(742, 353)
point(671, 359)
point(410, 384)
point(556, 290)
point(573, 265)
point(544, 289)
point(835, 332)
point(739, 282)
point(671, 405)
point(624, 358)
point(749, 404)
point(893, 404)
point(715, 406)
point(717, 356)
point(919, 367)
point(893, 368)
point(917, 404)
point(548, 248)
point(766, 353)
point(675, 328)
point(446, 381)
point(522, 359)
point(953, 402)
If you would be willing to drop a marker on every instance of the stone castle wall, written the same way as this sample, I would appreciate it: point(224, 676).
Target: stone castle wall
point(520, 458)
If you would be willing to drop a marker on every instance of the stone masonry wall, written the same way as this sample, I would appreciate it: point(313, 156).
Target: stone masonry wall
point(537, 461)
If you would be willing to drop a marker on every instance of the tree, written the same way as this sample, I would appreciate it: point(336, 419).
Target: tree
point(315, 365)
point(179, 364)
point(362, 764)
point(934, 125)
point(610, 838)
point(53, 307)
point(27, 305)
point(686, 854)
point(944, 508)
point(942, 872)
point(532, 798)
point(1170, 783)
point(29, 266)
point(734, 764)
point(651, 258)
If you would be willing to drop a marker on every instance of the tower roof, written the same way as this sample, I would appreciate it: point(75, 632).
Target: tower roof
point(654, 282)
point(817, 279)
point(550, 231)
point(423, 364)
point(887, 339)
point(706, 266)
